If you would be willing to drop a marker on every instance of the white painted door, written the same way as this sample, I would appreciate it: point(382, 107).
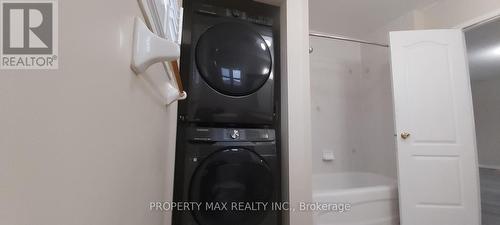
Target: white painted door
point(437, 162)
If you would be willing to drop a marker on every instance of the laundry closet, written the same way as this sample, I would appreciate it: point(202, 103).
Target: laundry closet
point(228, 135)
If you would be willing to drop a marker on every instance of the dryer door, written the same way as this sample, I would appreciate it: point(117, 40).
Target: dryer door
point(229, 177)
point(233, 58)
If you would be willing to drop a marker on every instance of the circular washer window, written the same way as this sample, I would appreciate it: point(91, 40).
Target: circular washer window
point(233, 59)
point(227, 177)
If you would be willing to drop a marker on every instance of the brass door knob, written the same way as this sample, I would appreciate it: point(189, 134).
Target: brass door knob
point(405, 135)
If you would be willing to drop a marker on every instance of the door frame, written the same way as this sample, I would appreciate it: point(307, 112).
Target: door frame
point(295, 109)
point(479, 20)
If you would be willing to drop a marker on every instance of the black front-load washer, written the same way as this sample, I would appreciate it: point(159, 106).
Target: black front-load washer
point(228, 66)
point(227, 166)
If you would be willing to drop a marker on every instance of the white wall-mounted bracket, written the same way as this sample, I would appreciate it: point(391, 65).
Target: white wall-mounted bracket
point(148, 49)
point(173, 94)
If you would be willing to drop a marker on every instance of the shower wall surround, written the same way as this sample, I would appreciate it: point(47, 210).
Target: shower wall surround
point(351, 108)
point(377, 112)
point(335, 72)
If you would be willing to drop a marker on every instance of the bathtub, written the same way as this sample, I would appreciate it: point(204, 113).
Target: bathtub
point(373, 199)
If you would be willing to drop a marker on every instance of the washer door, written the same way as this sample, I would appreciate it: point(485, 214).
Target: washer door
point(233, 59)
point(231, 176)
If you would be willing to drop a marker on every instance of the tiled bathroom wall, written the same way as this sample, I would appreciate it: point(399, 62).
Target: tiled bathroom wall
point(335, 77)
point(377, 113)
point(352, 113)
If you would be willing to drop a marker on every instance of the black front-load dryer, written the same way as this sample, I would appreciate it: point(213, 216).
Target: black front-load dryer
point(228, 67)
point(220, 166)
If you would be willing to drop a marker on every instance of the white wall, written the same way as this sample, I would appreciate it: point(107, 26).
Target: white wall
point(352, 111)
point(351, 108)
point(486, 98)
point(381, 34)
point(450, 13)
point(442, 14)
point(90, 143)
point(377, 112)
point(377, 143)
point(296, 114)
point(335, 103)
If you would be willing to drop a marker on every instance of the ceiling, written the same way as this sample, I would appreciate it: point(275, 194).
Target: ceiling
point(483, 50)
point(357, 17)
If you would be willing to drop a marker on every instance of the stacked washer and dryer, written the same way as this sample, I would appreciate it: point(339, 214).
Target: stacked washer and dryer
point(228, 128)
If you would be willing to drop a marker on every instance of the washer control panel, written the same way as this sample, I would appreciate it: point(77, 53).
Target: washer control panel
point(234, 13)
point(230, 134)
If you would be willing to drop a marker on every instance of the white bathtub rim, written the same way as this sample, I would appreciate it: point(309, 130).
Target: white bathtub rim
point(381, 221)
point(327, 192)
point(357, 195)
point(372, 198)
